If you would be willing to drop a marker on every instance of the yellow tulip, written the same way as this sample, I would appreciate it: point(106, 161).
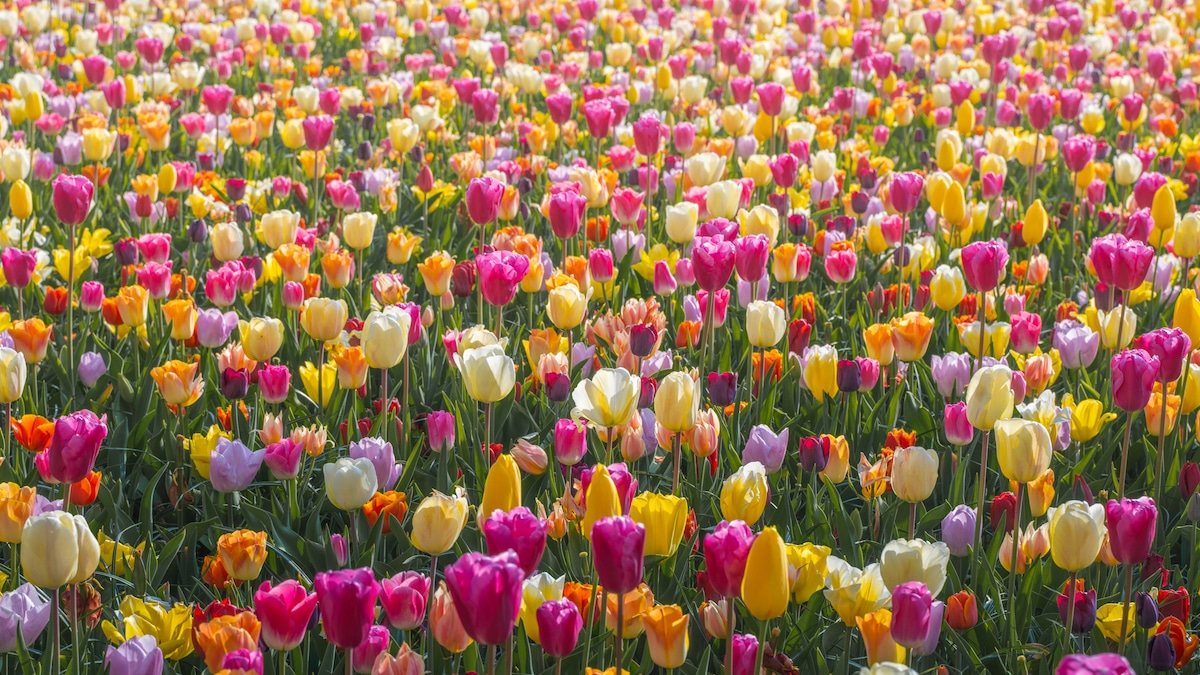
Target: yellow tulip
point(501, 488)
point(201, 447)
point(766, 324)
point(765, 587)
point(261, 337)
point(170, 627)
point(1087, 418)
point(98, 144)
point(58, 549)
point(947, 287)
point(820, 371)
point(280, 227)
point(319, 388)
point(602, 499)
point(853, 592)
point(323, 319)
point(16, 507)
point(116, 557)
point(488, 373)
point(914, 473)
point(20, 200)
point(744, 494)
point(13, 372)
point(989, 397)
point(995, 340)
point(954, 205)
point(677, 402)
point(1076, 534)
point(904, 560)
point(1186, 316)
point(1036, 223)
point(1023, 449)
point(438, 521)
point(1164, 214)
point(609, 398)
point(807, 566)
point(1187, 236)
point(566, 306)
point(1109, 621)
point(384, 337)
point(664, 517)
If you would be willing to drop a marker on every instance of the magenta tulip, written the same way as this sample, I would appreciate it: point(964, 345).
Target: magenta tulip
point(487, 592)
point(1134, 372)
point(18, 266)
point(570, 441)
point(75, 445)
point(347, 599)
point(363, 656)
point(565, 211)
point(905, 190)
point(750, 256)
point(440, 427)
point(559, 623)
point(500, 272)
point(1119, 262)
point(284, 612)
point(1131, 524)
point(518, 531)
point(725, 554)
point(984, 263)
point(618, 547)
point(72, 198)
point(912, 606)
point(712, 262)
point(483, 199)
point(318, 130)
point(1171, 346)
point(273, 382)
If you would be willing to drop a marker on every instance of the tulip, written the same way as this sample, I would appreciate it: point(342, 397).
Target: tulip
point(914, 473)
point(363, 657)
point(1119, 262)
point(323, 319)
point(437, 522)
point(958, 530)
point(444, 622)
point(1100, 664)
point(178, 382)
point(233, 466)
point(499, 274)
point(766, 448)
point(404, 597)
point(72, 198)
point(677, 402)
point(517, 530)
point(947, 288)
point(243, 553)
point(1079, 610)
point(1131, 524)
point(347, 602)
point(989, 397)
point(405, 662)
point(75, 445)
point(1023, 449)
point(384, 337)
point(261, 338)
point(1076, 534)
point(488, 373)
point(765, 586)
point(984, 264)
point(58, 549)
point(912, 607)
point(618, 545)
point(667, 635)
point(744, 495)
point(349, 483)
point(284, 610)
point(609, 398)
point(663, 518)
point(379, 452)
point(765, 324)
point(914, 560)
point(820, 371)
point(12, 375)
point(558, 625)
point(487, 591)
point(910, 336)
point(1134, 372)
point(501, 489)
point(24, 608)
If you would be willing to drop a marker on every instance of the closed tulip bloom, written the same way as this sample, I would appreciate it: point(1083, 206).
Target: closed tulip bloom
point(601, 498)
point(1023, 449)
point(1134, 372)
point(1131, 524)
point(1100, 664)
point(1077, 344)
point(20, 200)
point(765, 586)
point(358, 230)
point(405, 662)
point(501, 488)
point(500, 272)
point(766, 447)
point(72, 198)
point(284, 611)
point(677, 402)
point(989, 397)
point(519, 531)
point(350, 483)
point(261, 338)
point(914, 473)
point(984, 264)
point(947, 287)
point(1171, 346)
point(279, 228)
point(912, 609)
point(566, 306)
point(618, 547)
point(384, 337)
point(995, 342)
point(404, 598)
point(437, 522)
point(487, 594)
point(1076, 534)
point(1036, 223)
point(1117, 328)
point(139, 655)
point(243, 553)
point(1120, 262)
point(713, 260)
point(445, 624)
point(323, 319)
point(58, 549)
point(667, 635)
point(609, 398)
point(681, 221)
point(766, 324)
point(910, 336)
point(878, 339)
point(559, 623)
point(488, 373)
point(75, 445)
point(16, 506)
point(12, 375)
point(1187, 236)
point(745, 494)
point(905, 560)
point(958, 530)
point(820, 371)
point(347, 602)
point(664, 518)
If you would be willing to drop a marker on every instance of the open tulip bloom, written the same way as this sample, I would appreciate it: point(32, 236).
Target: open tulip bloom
point(569, 334)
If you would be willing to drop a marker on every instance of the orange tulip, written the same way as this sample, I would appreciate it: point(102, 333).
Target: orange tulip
point(338, 265)
point(16, 506)
point(183, 315)
point(293, 261)
point(224, 635)
point(178, 382)
point(637, 602)
point(400, 246)
point(876, 629)
point(32, 432)
point(444, 623)
point(386, 505)
point(581, 596)
point(84, 492)
point(436, 271)
point(243, 553)
point(351, 365)
point(1185, 644)
point(131, 305)
point(910, 336)
point(213, 572)
point(31, 337)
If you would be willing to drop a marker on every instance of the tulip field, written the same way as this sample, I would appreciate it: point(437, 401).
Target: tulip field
point(603, 337)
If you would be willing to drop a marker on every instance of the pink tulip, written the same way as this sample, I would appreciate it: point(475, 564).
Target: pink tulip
point(570, 441)
point(618, 544)
point(1134, 372)
point(712, 261)
point(217, 98)
point(600, 265)
point(559, 106)
point(284, 612)
point(1120, 262)
point(770, 98)
point(1041, 111)
point(751, 254)
point(912, 607)
point(599, 117)
point(363, 656)
point(626, 206)
point(1077, 152)
point(984, 264)
point(1026, 332)
point(664, 281)
point(487, 592)
point(648, 134)
point(75, 445)
point(440, 427)
point(499, 274)
point(958, 428)
point(283, 458)
point(1131, 524)
point(841, 265)
point(518, 531)
point(273, 382)
point(784, 169)
point(91, 294)
point(156, 279)
point(318, 129)
point(404, 597)
point(565, 210)
point(725, 554)
point(559, 623)
point(330, 101)
point(483, 199)
point(343, 195)
point(347, 601)
point(18, 266)
point(1171, 346)
point(485, 104)
point(72, 198)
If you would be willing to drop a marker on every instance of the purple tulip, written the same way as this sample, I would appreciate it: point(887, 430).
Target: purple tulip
point(958, 530)
point(25, 608)
point(233, 466)
point(766, 447)
point(213, 327)
point(380, 452)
